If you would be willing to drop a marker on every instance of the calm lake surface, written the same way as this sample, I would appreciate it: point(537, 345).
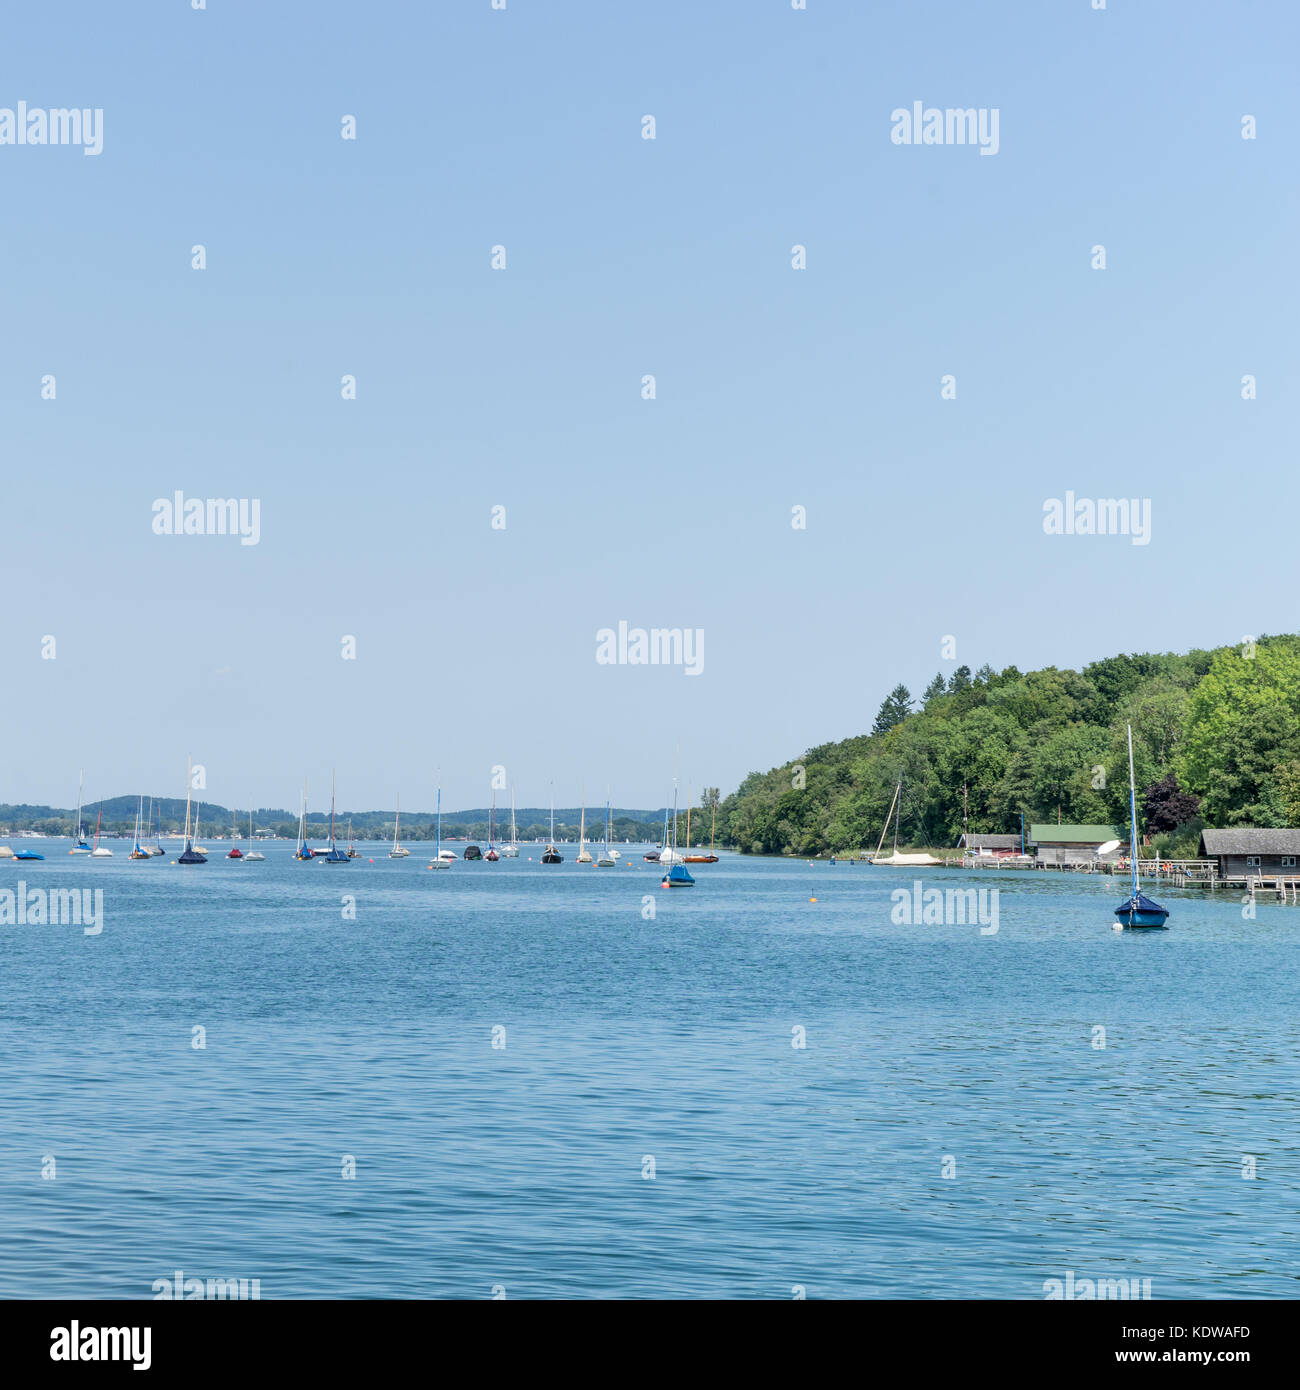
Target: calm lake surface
point(628, 1040)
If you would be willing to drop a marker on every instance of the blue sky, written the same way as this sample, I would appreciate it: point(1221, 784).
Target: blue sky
point(522, 388)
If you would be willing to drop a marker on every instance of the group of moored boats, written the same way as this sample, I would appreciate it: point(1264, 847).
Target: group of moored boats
point(147, 843)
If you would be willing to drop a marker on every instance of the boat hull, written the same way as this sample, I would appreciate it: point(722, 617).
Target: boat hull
point(1140, 912)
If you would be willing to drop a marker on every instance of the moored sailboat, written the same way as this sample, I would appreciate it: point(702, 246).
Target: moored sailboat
point(334, 855)
point(896, 860)
point(1137, 910)
point(552, 855)
point(136, 851)
point(584, 855)
point(607, 859)
point(439, 861)
point(235, 851)
point(304, 850)
point(189, 855)
point(492, 856)
point(79, 845)
point(511, 851)
point(678, 875)
point(254, 855)
point(99, 852)
point(397, 852)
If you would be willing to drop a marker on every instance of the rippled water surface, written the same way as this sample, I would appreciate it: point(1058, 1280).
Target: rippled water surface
point(632, 1041)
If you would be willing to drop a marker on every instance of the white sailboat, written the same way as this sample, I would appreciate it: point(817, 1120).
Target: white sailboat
point(79, 844)
point(397, 852)
point(254, 855)
point(511, 851)
point(304, 850)
point(584, 855)
point(442, 858)
point(608, 859)
point(136, 851)
point(669, 853)
point(100, 851)
point(896, 860)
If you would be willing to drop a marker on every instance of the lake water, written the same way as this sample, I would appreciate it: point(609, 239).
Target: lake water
point(632, 1040)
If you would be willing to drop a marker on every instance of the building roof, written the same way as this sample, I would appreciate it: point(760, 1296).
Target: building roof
point(1073, 834)
point(1246, 840)
point(989, 841)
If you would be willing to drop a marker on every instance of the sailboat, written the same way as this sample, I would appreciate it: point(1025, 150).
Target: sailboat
point(552, 855)
point(678, 875)
point(1137, 910)
point(80, 847)
point(156, 848)
point(668, 854)
point(492, 856)
point(711, 857)
point(189, 855)
point(304, 850)
point(136, 851)
point(254, 855)
point(353, 851)
point(397, 852)
point(652, 856)
point(899, 861)
point(439, 862)
point(97, 852)
point(607, 859)
point(334, 855)
point(511, 851)
point(235, 851)
point(584, 855)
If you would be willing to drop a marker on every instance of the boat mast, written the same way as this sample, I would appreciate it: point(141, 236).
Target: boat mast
point(189, 777)
point(884, 829)
point(398, 821)
point(438, 831)
point(1132, 813)
point(514, 836)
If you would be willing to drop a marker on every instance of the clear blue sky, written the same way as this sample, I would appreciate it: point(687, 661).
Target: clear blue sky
point(522, 388)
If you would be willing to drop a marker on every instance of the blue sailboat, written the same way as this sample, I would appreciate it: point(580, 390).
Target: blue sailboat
point(678, 875)
point(1137, 910)
point(189, 855)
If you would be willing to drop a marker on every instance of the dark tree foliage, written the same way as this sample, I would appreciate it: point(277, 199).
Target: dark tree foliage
point(1165, 806)
point(897, 705)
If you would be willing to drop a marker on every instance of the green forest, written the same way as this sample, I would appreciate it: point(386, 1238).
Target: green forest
point(1216, 741)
